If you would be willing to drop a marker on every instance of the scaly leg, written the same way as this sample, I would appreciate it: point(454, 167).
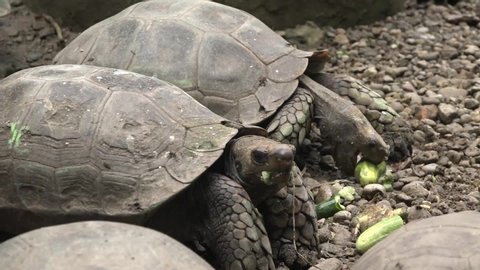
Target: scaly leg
point(289, 214)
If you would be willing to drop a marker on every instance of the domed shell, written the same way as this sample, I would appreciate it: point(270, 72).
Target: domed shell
point(83, 140)
point(97, 245)
point(225, 58)
point(450, 241)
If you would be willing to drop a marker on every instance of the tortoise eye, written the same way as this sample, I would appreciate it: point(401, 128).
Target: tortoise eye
point(260, 156)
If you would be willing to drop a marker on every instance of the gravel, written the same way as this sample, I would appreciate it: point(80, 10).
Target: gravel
point(425, 62)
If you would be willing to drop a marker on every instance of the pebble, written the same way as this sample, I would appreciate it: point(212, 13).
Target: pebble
point(470, 49)
point(328, 264)
point(342, 217)
point(471, 103)
point(341, 39)
point(372, 190)
point(426, 55)
point(324, 234)
point(433, 168)
point(425, 157)
point(415, 190)
point(453, 92)
point(402, 197)
point(447, 113)
point(417, 212)
point(408, 86)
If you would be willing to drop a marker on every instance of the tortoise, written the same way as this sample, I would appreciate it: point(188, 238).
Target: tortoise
point(80, 142)
point(97, 245)
point(450, 242)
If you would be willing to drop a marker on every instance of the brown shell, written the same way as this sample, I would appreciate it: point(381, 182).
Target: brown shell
point(225, 58)
point(99, 141)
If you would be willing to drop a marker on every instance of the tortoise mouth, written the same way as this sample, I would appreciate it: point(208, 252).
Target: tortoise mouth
point(276, 177)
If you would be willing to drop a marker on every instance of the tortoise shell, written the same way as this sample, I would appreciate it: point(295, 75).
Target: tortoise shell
point(225, 58)
point(97, 245)
point(77, 140)
point(448, 242)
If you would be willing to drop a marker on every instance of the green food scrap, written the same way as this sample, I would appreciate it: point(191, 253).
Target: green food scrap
point(266, 177)
point(329, 208)
point(16, 135)
point(347, 193)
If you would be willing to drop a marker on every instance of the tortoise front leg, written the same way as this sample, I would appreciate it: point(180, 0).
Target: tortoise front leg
point(292, 224)
point(233, 229)
point(290, 214)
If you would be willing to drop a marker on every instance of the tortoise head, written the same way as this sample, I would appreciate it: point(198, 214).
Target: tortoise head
point(263, 166)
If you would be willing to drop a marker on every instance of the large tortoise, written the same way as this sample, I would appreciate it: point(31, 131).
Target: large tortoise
point(83, 142)
point(447, 242)
point(98, 245)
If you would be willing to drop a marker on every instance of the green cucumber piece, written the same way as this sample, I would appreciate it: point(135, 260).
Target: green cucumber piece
point(377, 232)
point(329, 208)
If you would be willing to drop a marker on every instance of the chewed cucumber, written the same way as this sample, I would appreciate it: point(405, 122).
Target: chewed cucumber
point(377, 232)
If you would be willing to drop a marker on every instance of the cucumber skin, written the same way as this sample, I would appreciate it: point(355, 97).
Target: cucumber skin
point(377, 232)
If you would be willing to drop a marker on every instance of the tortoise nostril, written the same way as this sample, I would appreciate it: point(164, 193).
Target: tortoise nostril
point(284, 153)
point(372, 143)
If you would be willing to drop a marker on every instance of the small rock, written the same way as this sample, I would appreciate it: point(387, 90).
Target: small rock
point(471, 103)
point(397, 185)
point(432, 168)
point(396, 71)
point(417, 212)
point(426, 112)
point(431, 100)
point(372, 190)
point(414, 98)
point(324, 234)
point(422, 64)
point(408, 86)
point(33, 56)
point(342, 236)
point(427, 55)
point(453, 92)
point(353, 209)
point(341, 39)
point(370, 71)
point(397, 106)
point(11, 32)
point(45, 32)
point(409, 179)
point(402, 197)
point(454, 156)
point(387, 79)
point(328, 264)
point(447, 112)
point(425, 157)
point(342, 216)
point(449, 52)
point(471, 49)
point(415, 190)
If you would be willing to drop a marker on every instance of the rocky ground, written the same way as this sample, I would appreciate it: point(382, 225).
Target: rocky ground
point(423, 60)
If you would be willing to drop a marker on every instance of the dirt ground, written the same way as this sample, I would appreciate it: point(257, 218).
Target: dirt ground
point(29, 40)
point(423, 61)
